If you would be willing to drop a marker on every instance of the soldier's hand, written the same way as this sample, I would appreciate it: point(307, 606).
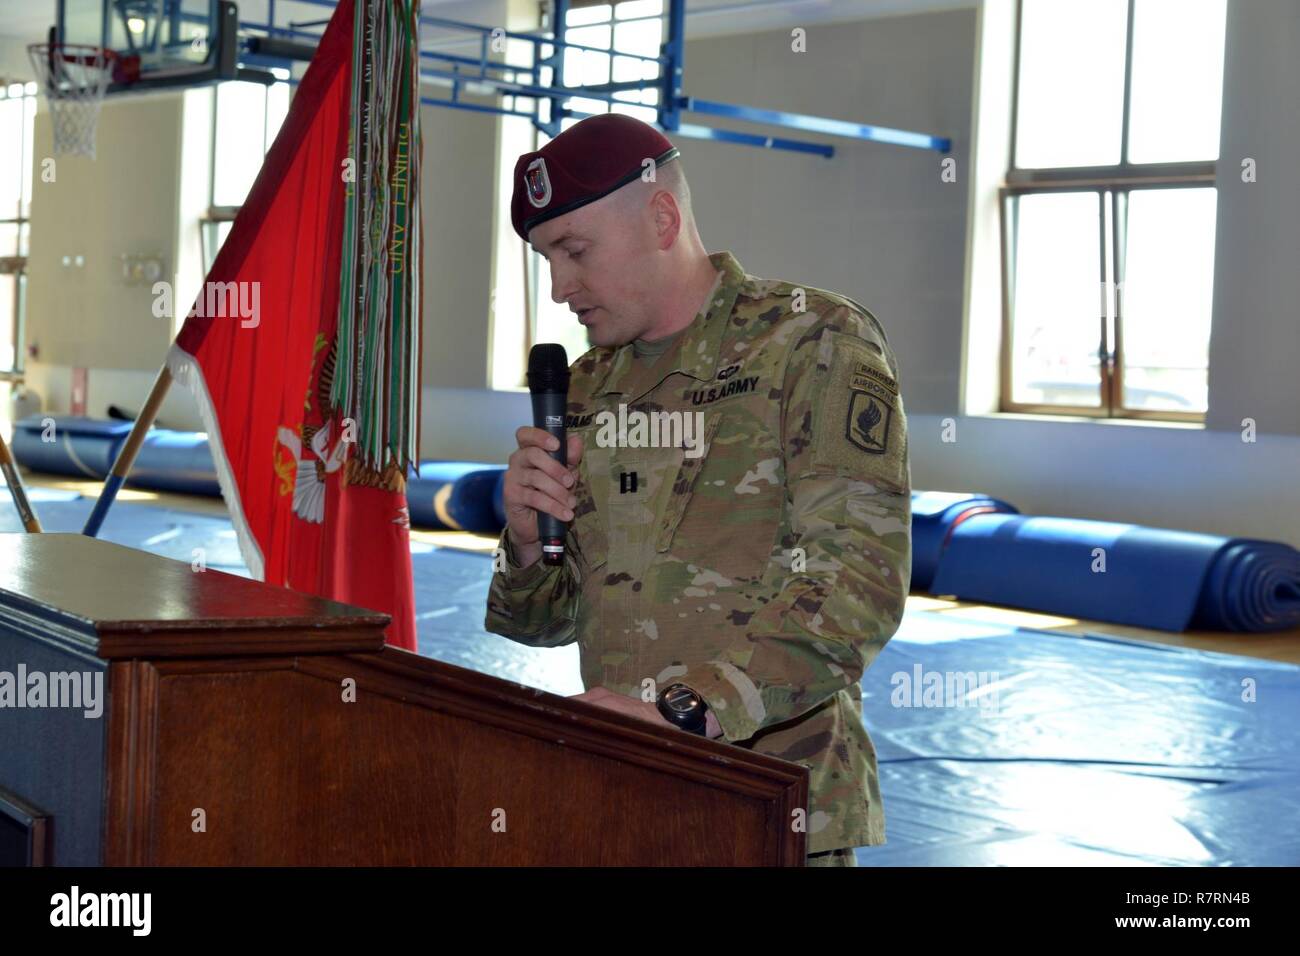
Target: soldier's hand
point(537, 482)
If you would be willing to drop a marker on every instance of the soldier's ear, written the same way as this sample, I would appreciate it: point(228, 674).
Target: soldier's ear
point(667, 218)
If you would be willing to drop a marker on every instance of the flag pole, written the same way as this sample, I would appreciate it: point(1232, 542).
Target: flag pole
point(15, 483)
point(126, 457)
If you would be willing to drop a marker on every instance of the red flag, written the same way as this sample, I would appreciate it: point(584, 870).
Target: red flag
point(309, 396)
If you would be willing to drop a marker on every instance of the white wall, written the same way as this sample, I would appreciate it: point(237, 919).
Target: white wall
point(1169, 477)
point(1255, 343)
point(14, 63)
point(124, 201)
point(458, 185)
point(874, 222)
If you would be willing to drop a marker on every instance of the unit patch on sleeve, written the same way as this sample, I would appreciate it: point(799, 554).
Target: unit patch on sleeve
point(861, 428)
point(873, 395)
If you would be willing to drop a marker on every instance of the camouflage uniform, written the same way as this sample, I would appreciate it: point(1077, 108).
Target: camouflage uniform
point(687, 569)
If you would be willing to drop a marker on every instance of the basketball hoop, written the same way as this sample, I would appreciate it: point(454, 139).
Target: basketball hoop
point(74, 79)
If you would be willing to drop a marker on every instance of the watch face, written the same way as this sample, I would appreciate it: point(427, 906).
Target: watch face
point(682, 706)
point(681, 700)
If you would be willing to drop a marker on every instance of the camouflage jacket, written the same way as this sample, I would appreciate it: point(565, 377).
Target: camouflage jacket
point(764, 565)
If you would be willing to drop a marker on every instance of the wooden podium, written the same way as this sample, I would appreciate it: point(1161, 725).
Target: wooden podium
point(242, 723)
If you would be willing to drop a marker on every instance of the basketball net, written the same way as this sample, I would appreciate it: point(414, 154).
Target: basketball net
point(74, 79)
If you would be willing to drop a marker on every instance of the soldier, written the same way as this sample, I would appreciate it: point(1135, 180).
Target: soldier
point(733, 566)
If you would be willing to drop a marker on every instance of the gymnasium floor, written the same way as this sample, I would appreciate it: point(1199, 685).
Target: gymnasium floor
point(1083, 744)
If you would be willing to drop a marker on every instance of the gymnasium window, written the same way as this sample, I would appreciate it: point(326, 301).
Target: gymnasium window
point(17, 115)
point(245, 121)
point(629, 26)
point(1108, 209)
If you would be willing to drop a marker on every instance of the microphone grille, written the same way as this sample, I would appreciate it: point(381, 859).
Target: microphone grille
point(548, 368)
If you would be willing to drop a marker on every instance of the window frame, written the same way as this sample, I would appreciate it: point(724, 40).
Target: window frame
point(210, 222)
point(15, 264)
point(1113, 185)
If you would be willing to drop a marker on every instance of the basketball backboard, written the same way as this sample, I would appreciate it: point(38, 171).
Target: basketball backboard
point(167, 42)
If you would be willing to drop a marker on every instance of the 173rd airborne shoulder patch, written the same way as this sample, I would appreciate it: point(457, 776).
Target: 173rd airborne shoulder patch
point(860, 414)
point(873, 395)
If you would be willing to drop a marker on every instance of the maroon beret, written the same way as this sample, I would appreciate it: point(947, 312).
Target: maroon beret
point(588, 160)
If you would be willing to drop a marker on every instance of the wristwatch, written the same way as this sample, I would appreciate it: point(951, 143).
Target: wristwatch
point(683, 707)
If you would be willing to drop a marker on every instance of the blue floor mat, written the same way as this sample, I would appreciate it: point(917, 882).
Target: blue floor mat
point(1063, 750)
point(1094, 751)
point(172, 534)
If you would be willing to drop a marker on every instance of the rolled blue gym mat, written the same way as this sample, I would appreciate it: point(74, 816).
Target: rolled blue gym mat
point(1153, 577)
point(456, 496)
point(1251, 586)
point(934, 515)
point(82, 447)
point(175, 461)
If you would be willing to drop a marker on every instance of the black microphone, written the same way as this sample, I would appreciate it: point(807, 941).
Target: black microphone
point(548, 381)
